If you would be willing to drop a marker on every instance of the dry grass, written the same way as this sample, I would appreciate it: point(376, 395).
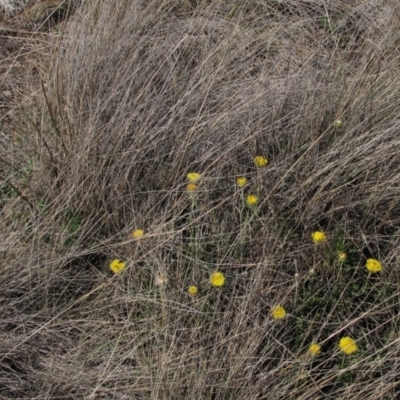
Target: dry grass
point(141, 93)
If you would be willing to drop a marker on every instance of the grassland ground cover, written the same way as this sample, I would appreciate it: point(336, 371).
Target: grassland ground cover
point(202, 200)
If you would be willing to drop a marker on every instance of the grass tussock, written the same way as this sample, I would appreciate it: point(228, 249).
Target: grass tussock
point(139, 94)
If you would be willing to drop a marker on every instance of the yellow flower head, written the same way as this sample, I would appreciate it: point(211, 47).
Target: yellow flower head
point(217, 279)
point(278, 312)
point(191, 187)
point(338, 123)
point(193, 291)
point(260, 161)
point(193, 177)
point(348, 345)
point(342, 256)
point(251, 200)
point(318, 237)
point(117, 266)
point(241, 181)
point(373, 265)
point(138, 233)
point(314, 349)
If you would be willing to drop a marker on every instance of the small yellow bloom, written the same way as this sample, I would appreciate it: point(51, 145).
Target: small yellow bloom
point(117, 266)
point(278, 312)
point(138, 233)
point(241, 181)
point(338, 123)
point(373, 265)
point(193, 177)
point(348, 345)
point(193, 291)
point(314, 349)
point(260, 161)
point(342, 256)
point(318, 237)
point(251, 200)
point(191, 187)
point(217, 279)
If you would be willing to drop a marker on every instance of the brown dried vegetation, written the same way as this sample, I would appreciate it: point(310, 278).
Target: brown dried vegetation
point(110, 110)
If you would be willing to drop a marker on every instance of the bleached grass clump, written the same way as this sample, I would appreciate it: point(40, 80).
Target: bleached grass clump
point(138, 95)
point(9, 8)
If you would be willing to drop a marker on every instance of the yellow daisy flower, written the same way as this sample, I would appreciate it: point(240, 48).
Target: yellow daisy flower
point(314, 349)
point(342, 256)
point(348, 345)
point(278, 312)
point(191, 187)
point(373, 265)
point(251, 200)
point(193, 177)
point(241, 181)
point(217, 279)
point(318, 237)
point(138, 233)
point(260, 161)
point(193, 291)
point(117, 266)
